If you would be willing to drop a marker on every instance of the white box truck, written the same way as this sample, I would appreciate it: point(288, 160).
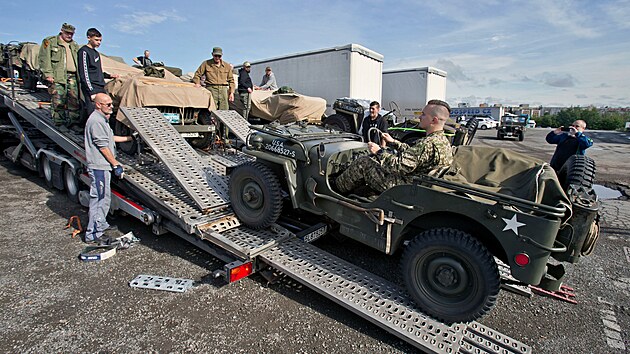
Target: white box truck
point(412, 88)
point(345, 71)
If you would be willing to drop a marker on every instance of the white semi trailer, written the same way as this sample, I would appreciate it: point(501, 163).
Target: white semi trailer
point(345, 71)
point(412, 88)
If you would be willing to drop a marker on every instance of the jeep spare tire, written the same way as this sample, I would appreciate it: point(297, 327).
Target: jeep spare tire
point(578, 170)
point(255, 195)
point(450, 275)
point(338, 122)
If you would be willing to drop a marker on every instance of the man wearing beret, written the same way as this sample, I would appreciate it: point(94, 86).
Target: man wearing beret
point(219, 80)
point(58, 63)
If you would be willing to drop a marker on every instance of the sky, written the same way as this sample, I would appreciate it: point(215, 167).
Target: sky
point(538, 52)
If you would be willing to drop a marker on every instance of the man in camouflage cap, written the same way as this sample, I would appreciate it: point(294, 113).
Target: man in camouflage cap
point(58, 63)
point(219, 79)
point(381, 170)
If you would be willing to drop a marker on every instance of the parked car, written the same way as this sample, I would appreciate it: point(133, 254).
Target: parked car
point(486, 123)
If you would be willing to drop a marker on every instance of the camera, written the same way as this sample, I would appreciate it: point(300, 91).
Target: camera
point(565, 129)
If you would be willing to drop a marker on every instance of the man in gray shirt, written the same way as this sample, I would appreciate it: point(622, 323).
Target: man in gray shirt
point(100, 153)
point(268, 81)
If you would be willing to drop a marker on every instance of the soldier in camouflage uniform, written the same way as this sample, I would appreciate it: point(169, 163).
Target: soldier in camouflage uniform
point(381, 170)
point(58, 63)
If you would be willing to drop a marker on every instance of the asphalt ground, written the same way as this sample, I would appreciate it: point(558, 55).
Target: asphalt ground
point(52, 302)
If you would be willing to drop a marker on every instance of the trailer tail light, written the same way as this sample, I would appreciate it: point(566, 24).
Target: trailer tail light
point(238, 270)
point(521, 259)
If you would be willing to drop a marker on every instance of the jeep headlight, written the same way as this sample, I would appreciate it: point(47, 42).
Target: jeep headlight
point(256, 141)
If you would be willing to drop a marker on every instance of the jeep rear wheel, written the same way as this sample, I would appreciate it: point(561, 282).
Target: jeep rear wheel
point(450, 275)
point(256, 195)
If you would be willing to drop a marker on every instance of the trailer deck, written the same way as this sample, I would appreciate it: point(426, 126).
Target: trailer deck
point(184, 191)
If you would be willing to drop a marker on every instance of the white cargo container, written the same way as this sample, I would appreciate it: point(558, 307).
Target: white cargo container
point(346, 71)
point(412, 88)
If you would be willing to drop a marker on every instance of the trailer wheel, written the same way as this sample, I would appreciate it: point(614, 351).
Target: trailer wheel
point(205, 139)
point(450, 275)
point(45, 169)
point(71, 183)
point(256, 195)
point(578, 170)
point(338, 122)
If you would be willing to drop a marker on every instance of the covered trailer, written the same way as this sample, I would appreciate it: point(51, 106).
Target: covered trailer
point(412, 88)
point(345, 71)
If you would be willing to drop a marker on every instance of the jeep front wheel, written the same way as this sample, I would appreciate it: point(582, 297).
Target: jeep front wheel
point(256, 195)
point(450, 275)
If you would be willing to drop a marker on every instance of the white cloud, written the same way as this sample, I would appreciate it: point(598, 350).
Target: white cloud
point(140, 21)
point(89, 8)
point(565, 14)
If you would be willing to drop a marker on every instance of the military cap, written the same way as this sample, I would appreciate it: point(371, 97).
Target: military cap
point(217, 51)
point(247, 64)
point(66, 27)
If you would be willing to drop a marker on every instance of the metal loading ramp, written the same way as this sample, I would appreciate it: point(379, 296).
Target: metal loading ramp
point(383, 303)
point(204, 186)
point(234, 122)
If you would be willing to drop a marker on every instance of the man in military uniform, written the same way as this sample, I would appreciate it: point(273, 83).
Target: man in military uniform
point(58, 63)
point(381, 170)
point(219, 80)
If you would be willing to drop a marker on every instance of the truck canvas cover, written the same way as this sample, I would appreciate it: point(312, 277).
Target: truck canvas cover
point(285, 107)
point(146, 91)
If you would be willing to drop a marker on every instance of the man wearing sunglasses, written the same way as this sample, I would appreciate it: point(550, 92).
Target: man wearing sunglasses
point(219, 80)
point(571, 141)
point(100, 153)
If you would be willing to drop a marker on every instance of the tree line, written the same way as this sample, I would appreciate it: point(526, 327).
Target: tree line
point(592, 116)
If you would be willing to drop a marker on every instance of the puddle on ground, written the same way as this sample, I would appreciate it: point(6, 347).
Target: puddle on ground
point(605, 192)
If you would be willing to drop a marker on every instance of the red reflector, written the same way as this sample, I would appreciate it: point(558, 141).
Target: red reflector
point(240, 271)
point(521, 259)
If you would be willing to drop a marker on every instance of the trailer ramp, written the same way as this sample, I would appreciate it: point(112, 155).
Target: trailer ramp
point(383, 303)
point(206, 188)
point(235, 123)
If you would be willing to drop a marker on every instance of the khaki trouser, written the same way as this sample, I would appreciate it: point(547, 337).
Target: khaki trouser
point(220, 96)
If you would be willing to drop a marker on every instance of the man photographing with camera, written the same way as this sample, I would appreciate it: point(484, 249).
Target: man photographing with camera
point(570, 140)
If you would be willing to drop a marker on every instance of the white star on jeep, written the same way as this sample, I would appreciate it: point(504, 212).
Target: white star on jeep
point(512, 224)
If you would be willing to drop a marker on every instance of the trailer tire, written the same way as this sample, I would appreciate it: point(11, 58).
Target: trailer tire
point(450, 275)
point(45, 169)
point(205, 139)
point(71, 183)
point(338, 122)
point(255, 195)
point(578, 170)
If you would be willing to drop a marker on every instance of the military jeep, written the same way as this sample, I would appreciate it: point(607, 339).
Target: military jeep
point(446, 228)
point(512, 126)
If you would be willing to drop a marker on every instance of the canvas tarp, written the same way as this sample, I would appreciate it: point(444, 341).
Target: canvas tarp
point(285, 107)
point(507, 172)
point(144, 91)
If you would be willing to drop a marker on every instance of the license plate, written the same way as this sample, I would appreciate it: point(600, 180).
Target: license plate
point(172, 118)
point(316, 234)
point(190, 135)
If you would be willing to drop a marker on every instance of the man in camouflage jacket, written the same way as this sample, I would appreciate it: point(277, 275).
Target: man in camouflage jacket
point(381, 170)
point(58, 63)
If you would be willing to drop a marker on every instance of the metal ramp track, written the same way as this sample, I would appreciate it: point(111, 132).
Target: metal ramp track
point(206, 188)
point(155, 180)
point(234, 122)
point(383, 303)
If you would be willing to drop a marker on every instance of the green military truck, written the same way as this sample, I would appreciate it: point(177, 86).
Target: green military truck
point(512, 126)
point(446, 228)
